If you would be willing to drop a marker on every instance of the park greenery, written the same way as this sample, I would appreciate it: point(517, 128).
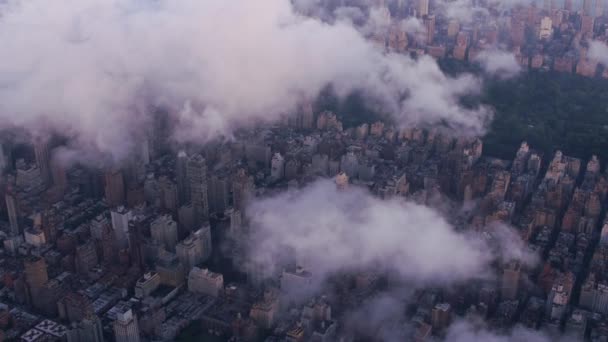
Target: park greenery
point(549, 110)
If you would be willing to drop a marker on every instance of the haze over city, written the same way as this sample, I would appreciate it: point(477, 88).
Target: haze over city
point(303, 170)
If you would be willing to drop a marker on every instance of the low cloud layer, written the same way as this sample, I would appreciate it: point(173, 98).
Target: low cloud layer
point(332, 231)
point(93, 69)
point(499, 63)
point(598, 51)
point(466, 331)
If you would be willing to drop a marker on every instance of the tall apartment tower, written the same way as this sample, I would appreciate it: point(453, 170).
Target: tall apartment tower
point(242, 189)
point(126, 328)
point(115, 188)
point(218, 193)
point(195, 249)
point(204, 236)
point(41, 150)
point(587, 7)
point(13, 213)
point(181, 170)
point(599, 8)
point(89, 329)
point(164, 231)
point(510, 280)
point(197, 175)
point(429, 24)
point(36, 276)
point(277, 167)
point(4, 158)
point(120, 224)
point(423, 8)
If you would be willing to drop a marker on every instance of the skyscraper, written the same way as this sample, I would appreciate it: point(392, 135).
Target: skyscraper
point(115, 188)
point(36, 276)
point(120, 225)
point(181, 170)
point(89, 329)
point(13, 214)
point(205, 282)
point(41, 150)
point(277, 167)
point(218, 193)
point(242, 189)
point(587, 7)
point(126, 328)
point(423, 8)
point(3, 158)
point(164, 231)
point(197, 175)
point(510, 280)
point(86, 257)
point(195, 249)
point(429, 24)
point(599, 9)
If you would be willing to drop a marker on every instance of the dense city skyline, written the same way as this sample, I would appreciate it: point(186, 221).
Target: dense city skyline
point(179, 171)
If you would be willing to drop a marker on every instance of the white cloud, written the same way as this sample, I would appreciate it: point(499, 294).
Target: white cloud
point(332, 231)
point(465, 331)
point(598, 51)
point(499, 63)
point(92, 68)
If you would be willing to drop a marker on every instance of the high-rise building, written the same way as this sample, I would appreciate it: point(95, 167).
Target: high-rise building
point(546, 28)
point(59, 175)
point(204, 236)
point(114, 188)
point(320, 164)
point(36, 276)
point(429, 25)
point(120, 224)
point(108, 244)
point(453, 28)
point(308, 116)
point(242, 189)
point(86, 257)
point(164, 231)
point(74, 307)
point(236, 221)
point(181, 170)
point(41, 150)
point(13, 214)
point(296, 280)
point(587, 23)
point(136, 239)
point(168, 194)
point(423, 8)
point(147, 284)
point(341, 181)
point(599, 8)
point(195, 249)
point(169, 270)
point(349, 164)
point(277, 167)
point(89, 329)
point(587, 7)
point(197, 176)
point(201, 280)
point(510, 280)
point(4, 160)
point(218, 193)
point(126, 328)
point(441, 316)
